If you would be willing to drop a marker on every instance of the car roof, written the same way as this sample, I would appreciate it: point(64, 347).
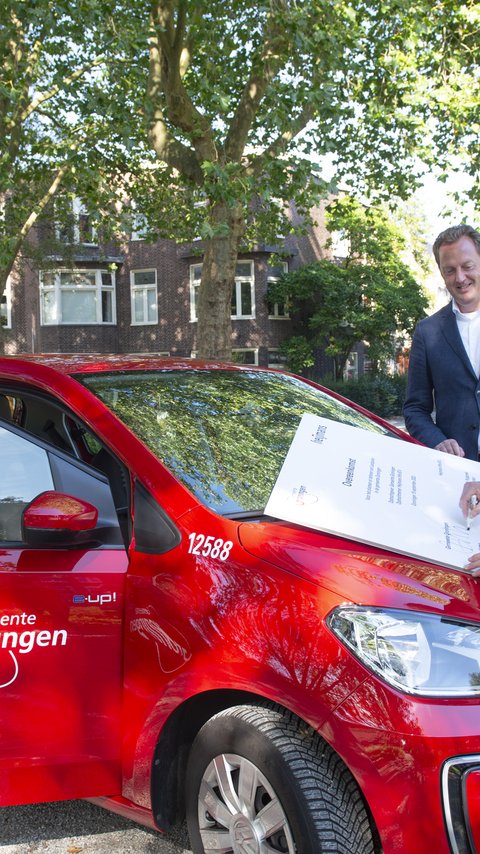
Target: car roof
point(77, 363)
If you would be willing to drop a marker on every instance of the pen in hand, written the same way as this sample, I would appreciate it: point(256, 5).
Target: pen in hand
point(472, 502)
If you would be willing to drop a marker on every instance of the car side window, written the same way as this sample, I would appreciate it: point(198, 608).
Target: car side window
point(41, 416)
point(25, 473)
point(154, 532)
point(29, 466)
point(11, 408)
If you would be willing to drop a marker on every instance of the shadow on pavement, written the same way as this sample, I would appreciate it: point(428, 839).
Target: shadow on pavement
point(25, 825)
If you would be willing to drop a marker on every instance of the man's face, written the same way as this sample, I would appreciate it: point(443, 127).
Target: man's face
point(460, 268)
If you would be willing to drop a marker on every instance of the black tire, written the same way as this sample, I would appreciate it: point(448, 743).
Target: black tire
point(251, 759)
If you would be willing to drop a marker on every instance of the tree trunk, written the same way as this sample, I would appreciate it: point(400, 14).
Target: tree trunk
point(340, 361)
point(214, 326)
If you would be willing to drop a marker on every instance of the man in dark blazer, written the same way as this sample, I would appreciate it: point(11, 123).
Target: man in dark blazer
point(444, 367)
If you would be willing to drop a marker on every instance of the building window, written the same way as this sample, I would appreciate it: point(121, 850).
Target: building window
point(6, 307)
point(139, 225)
point(77, 227)
point(276, 359)
point(143, 290)
point(77, 297)
point(350, 371)
point(368, 365)
point(244, 356)
point(240, 356)
point(86, 231)
point(340, 244)
point(243, 292)
point(195, 278)
point(277, 310)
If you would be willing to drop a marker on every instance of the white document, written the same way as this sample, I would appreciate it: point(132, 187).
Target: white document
point(376, 489)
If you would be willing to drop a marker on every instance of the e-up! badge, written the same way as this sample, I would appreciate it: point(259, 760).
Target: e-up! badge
point(18, 637)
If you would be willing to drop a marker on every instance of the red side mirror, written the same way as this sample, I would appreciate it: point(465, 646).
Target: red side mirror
point(55, 511)
point(58, 516)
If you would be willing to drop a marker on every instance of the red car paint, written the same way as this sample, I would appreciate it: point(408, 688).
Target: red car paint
point(111, 658)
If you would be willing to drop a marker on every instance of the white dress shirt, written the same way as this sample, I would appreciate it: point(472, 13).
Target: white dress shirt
point(468, 323)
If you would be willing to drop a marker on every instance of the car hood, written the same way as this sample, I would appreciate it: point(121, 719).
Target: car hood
point(363, 574)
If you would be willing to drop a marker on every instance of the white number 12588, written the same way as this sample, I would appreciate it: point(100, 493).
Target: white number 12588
point(208, 546)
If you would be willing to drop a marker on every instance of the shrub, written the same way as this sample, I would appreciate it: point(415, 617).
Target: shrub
point(383, 394)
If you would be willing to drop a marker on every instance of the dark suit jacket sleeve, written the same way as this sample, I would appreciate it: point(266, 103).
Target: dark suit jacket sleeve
point(419, 402)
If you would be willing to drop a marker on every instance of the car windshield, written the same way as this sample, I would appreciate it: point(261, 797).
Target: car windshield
point(224, 434)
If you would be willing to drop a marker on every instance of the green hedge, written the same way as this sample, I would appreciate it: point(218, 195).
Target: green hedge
point(381, 393)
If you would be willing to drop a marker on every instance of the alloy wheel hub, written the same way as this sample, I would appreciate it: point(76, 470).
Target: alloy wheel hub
point(243, 836)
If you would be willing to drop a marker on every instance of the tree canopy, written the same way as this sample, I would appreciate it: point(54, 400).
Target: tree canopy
point(371, 295)
point(240, 98)
point(218, 114)
point(56, 136)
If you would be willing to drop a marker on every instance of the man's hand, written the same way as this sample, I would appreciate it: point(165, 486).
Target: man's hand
point(450, 446)
point(470, 499)
point(473, 564)
point(470, 505)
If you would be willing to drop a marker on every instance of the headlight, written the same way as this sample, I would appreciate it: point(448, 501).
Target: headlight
point(418, 653)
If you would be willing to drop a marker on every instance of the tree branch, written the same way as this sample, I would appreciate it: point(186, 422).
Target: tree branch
point(173, 152)
point(166, 147)
point(166, 69)
point(22, 233)
point(48, 95)
point(281, 143)
point(269, 61)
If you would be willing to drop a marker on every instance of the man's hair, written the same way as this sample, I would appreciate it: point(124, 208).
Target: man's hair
point(452, 234)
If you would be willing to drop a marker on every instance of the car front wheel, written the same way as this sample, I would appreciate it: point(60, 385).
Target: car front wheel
point(261, 781)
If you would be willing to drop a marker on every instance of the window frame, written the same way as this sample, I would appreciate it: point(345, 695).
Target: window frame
point(57, 288)
point(253, 350)
point(139, 224)
point(80, 226)
point(194, 286)
point(274, 312)
point(351, 369)
point(240, 281)
point(145, 288)
point(7, 313)
point(281, 366)
point(340, 244)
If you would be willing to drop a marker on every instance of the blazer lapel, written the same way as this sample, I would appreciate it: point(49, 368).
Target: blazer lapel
point(452, 335)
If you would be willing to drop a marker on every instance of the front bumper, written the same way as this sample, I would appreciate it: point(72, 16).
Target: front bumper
point(417, 763)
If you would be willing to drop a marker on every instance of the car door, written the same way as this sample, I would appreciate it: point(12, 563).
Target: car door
point(61, 605)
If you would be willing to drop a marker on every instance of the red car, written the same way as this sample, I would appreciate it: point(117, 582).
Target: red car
point(167, 649)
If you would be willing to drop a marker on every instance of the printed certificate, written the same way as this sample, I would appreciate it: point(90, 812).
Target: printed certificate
point(376, 489)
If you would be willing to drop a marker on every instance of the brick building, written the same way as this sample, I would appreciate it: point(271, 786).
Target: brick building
point(139, 297)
